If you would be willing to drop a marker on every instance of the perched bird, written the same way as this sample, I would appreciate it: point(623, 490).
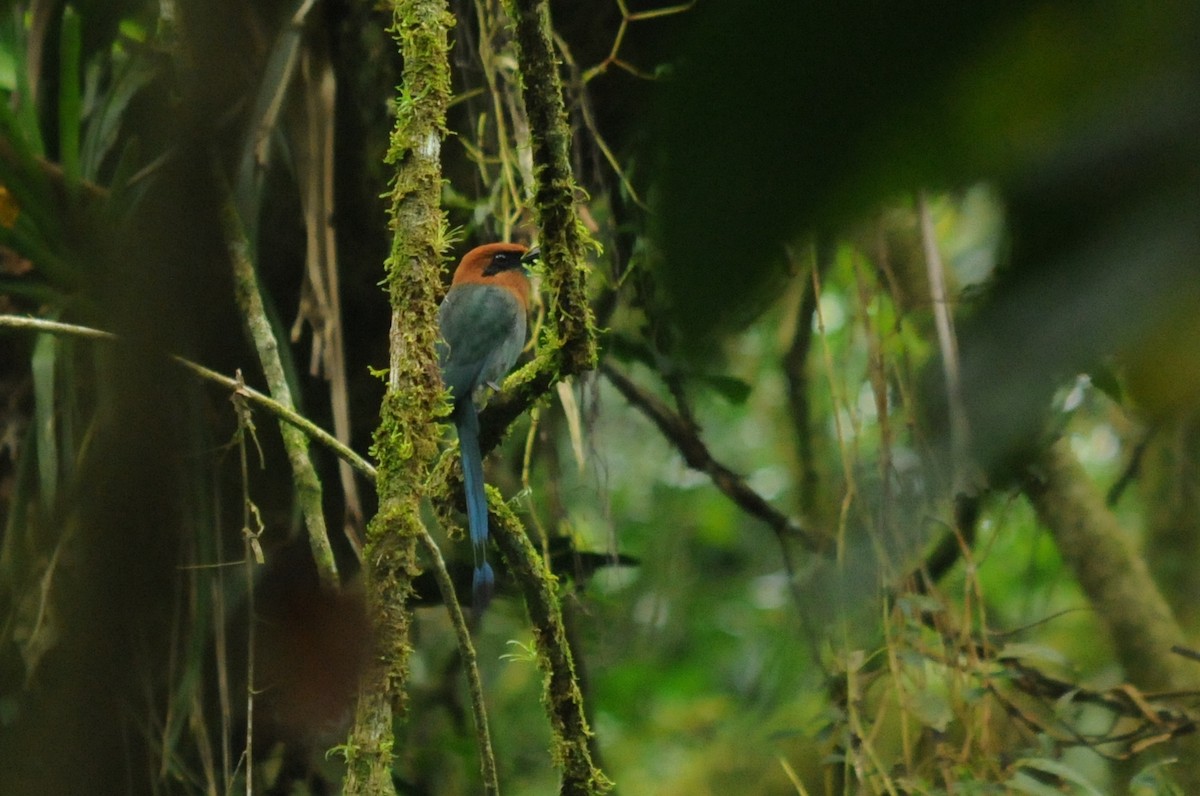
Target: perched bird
point(482, 321)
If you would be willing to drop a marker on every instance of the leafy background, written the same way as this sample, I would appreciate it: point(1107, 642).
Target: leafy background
point(765, 180)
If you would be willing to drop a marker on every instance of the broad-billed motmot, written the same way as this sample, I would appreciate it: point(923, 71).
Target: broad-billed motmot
point(483, 331)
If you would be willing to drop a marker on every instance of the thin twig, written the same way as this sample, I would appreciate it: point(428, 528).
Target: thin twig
point(221, 653)
point(268, 103)
point(510, 194)
point(249, 540)
point(321, 301)
point(695, 453)
point(838, 398)
point(887, 532)
point(948, 343)
point(795, 369)
point(1161, 722)
point(265, 402)
point(487, 758)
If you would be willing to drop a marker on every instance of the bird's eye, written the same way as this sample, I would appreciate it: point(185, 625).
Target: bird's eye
point(502, 261)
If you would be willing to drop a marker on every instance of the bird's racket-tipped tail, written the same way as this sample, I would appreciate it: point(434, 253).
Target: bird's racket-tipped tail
point(484, 583)
point(483, 587)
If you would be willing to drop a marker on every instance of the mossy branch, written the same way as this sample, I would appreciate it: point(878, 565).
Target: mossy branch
point(563, 236)
point(295, 442)
point(564, 699)
point(406, 441)
point(567, 347)
point(1117, 582)
point(568, 344)
point(1110, 572)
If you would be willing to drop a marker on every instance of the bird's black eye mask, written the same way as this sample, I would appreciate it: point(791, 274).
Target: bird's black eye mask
point(503, 261)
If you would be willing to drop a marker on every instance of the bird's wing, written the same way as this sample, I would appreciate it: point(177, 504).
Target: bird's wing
point(479, 324)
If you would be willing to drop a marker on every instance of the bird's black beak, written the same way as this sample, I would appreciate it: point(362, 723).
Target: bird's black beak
point(531, 255)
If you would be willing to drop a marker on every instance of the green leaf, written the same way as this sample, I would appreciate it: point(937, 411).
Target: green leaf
point(277, 77)
point(932, 708)
point(1104, 379)
point(36, 290)
point(1023, 783)
point(1153, 781)
point(70, 104)
point(1056, 769)
point(1018, 650)
point(105, 123)
point(20, 122)
point(731, 389)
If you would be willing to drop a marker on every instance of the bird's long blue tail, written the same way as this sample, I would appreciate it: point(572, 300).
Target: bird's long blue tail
point(466, 420)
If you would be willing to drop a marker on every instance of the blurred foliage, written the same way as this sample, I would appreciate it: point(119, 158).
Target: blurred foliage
point(768, 179)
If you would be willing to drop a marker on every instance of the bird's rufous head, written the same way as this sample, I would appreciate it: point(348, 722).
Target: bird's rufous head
point(497, 264)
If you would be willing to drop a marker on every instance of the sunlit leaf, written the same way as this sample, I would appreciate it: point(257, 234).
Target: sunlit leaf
point(1062, 771)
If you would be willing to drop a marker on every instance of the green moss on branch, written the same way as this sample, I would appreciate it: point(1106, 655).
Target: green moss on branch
point(406, 442)
point(563, 236)
point(567, 347)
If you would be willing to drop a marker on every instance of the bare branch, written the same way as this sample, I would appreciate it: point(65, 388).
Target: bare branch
point(685, 437)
